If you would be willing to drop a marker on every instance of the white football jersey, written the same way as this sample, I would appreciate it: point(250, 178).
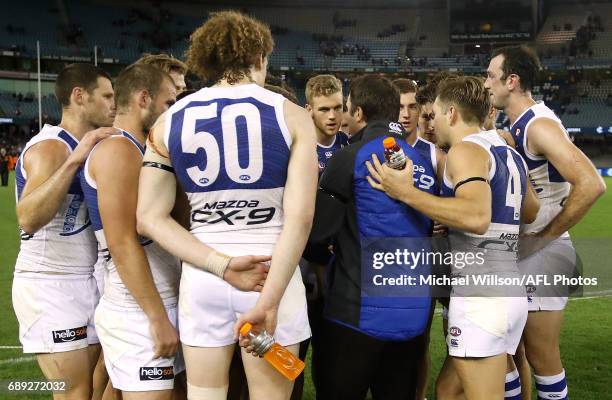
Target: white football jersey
point(550, 186)
point(165, 268)
point(66, 244)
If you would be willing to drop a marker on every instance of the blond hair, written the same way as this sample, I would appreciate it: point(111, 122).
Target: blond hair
point(468, 95)
point(164, 62)
point(322, 85)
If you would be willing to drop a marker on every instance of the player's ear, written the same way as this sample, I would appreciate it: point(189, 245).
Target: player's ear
point(359, 116)
point(77, 96)
point(513, 81)
point(143, 98)
point(308, 108)
point(452, 115)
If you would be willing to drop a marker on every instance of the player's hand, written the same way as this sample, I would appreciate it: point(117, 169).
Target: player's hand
point(440, 230)
point(262, 317)
point(507, 136)
point(165, 337)
point(89, 140)
point(396, 183)
point(247, 273)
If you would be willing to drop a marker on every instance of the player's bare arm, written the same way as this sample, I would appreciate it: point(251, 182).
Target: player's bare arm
point(547, 139)
point(298, 208)
point(50, 169)
point(469, 210)
point(156, 200)
point(117, 184)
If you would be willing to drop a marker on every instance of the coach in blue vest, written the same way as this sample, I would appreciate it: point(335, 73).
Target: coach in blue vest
point(372, 313)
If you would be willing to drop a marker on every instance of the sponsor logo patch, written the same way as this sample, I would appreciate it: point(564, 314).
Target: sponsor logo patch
point(156, 373)
point(69, 335)
point(395, 127)
point(454, 343)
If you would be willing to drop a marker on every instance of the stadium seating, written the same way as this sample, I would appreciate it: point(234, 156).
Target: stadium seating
point(131, 29)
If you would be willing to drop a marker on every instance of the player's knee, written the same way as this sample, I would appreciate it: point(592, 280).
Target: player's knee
point(206, 393)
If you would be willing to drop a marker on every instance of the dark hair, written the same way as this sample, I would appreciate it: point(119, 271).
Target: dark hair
point(427, 93)
point(138, 77)
point(468, 95)
point(274, 80)
point(277, 89)
point(185, 93)
point(377, 97)
point(405, 85)
point(77, 75)
point(522, 61)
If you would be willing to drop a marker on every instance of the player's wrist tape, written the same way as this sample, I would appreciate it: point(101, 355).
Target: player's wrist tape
point(217, 263)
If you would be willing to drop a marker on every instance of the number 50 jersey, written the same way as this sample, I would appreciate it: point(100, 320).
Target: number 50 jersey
point(230, 148)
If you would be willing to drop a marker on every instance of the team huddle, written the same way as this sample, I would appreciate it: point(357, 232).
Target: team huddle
point(156, 222)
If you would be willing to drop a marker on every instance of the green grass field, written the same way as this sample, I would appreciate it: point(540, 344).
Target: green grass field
point(586, 343)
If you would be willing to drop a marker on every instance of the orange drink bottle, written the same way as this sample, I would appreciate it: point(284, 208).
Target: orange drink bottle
point(394, 155)
point(279, 357)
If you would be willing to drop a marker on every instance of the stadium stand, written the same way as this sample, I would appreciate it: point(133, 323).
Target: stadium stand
point(413, 40)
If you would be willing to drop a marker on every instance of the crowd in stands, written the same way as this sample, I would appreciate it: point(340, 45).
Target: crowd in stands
point(334, 45)
point(396, 28)
point(162, 30)
point(580, 46)
point(14, 137)
point(339, 22)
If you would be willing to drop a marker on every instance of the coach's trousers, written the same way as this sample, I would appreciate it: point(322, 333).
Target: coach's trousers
point(351, 362)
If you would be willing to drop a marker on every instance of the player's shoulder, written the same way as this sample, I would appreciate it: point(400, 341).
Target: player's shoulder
point(540, 114)
point(546, 132)
point(468, 151)
point(51, 141)
point(115, 147)
point(296, 117)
